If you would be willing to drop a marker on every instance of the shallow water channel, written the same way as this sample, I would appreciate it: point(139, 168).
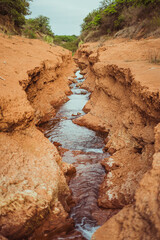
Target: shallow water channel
point(84, 151)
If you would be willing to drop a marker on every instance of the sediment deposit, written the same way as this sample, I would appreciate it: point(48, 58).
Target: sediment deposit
point(140, 220)
point(125, 103)
point(33, 80)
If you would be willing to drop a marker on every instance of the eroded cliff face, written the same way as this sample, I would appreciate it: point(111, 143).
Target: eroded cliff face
point(33, 80)
point(140, 220)
point(125, 104)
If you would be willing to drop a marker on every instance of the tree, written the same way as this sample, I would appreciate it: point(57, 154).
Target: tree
point(40, 24)
point(105, 3)
point(92, 20)
point(43, 25)
point(16, 10)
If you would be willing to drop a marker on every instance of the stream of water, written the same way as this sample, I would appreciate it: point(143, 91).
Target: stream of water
point(84, 150)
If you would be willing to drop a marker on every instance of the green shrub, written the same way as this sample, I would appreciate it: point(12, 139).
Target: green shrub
point(39, 24)
point(48, 39)
point(118, 23)
point(93, 19)
point(147, 2)
point(38, 28)
point(113, 15)
point(66, 41)
point(96, 20)
point(155, 21)
point(16, 10)
point(58, 39)
point(80, 43)
point(111, 9)
point(30, 33)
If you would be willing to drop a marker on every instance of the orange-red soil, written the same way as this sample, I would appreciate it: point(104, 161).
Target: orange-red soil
point(34, 78)
point(125, 103)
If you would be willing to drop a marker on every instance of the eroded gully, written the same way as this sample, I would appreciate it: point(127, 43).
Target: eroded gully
point(83, 148)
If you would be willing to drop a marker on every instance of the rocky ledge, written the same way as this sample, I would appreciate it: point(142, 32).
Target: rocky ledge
point(124, 81)
point(33, 82)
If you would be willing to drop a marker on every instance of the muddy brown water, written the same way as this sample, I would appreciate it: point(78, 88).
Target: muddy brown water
point(84, 151)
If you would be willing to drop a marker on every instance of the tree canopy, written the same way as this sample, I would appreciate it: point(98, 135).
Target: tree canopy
point(40, 24)
point(16, 10)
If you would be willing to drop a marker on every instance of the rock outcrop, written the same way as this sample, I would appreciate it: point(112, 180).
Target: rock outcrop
point(33, 80)
point(140, 220)
point(125, 103)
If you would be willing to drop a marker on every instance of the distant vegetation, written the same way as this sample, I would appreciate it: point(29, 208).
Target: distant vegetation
point(113, 16)
point(40, 28)
point(68, 42)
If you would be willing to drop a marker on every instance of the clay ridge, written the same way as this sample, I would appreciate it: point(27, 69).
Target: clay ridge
point(33, 187)
point(125, 104)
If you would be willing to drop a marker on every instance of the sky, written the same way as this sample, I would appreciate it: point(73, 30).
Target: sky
point(65, 16)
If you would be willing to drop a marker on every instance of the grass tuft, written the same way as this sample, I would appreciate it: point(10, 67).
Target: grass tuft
point(154, 56)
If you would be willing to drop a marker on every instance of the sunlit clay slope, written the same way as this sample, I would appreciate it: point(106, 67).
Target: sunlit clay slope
point(33, 79)
point(124, 78)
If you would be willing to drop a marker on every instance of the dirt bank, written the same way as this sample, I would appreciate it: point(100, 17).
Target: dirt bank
point(33, 80)
point(125, 103)
point(140, 220)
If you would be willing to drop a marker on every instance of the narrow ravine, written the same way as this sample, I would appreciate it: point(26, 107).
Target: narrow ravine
point(83, 148)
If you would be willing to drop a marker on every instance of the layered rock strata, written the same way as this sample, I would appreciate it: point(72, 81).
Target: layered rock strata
point(142, 219)
point(33, 80)
point(125, 104)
